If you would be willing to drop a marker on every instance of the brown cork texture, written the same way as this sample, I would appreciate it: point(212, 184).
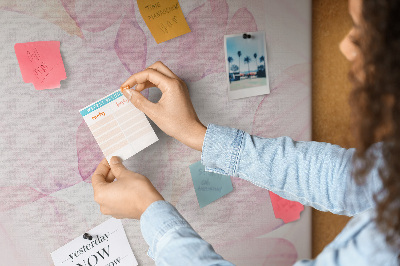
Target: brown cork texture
point(330, 104)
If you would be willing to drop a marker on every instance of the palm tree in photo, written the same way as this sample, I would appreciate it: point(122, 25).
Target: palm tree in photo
point(239, 54)
point(230, 59)
point(262, 59)
point(247, 60)
point(255, 57)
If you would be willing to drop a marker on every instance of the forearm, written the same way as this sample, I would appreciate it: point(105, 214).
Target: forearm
point(172, 241)
point(312, 173)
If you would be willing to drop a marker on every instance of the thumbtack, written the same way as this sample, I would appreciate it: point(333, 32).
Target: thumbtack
point(246, 36)
point(87, 236)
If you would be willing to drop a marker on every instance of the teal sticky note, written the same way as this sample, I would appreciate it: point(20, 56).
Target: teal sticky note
point(209, 186)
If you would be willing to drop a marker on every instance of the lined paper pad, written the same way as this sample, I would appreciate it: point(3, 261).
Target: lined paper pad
point(118, 126)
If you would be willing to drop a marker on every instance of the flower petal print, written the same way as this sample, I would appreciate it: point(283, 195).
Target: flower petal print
point(47, 218)
point(88, 151)
point(94, 17)
point(40, 9)
point(261, 251)
point(20, 196)
point(209, 56)
point(131, 44)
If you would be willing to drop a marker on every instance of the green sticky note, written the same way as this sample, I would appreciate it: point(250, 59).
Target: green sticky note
point(209, 186)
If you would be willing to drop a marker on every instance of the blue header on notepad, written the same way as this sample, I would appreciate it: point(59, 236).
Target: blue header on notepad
point(100, 103)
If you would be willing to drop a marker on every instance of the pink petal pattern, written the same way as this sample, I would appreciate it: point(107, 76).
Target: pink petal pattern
point(94, 17)
point(131, 44)
point(209, 57)
point(88, 151)
point(261, 251)
point(18, 196)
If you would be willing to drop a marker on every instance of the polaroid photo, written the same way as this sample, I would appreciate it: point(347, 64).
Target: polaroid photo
point(246, 64)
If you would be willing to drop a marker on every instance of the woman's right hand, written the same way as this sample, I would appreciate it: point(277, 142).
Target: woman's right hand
point(174, 112)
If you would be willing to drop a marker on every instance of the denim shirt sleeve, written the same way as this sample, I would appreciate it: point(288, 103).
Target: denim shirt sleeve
point(312, 173)
point(172, 241)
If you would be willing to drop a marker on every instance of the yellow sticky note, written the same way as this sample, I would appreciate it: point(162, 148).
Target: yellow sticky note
point(164, 18)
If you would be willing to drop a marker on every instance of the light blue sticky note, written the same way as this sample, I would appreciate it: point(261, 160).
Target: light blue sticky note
point(209, 186)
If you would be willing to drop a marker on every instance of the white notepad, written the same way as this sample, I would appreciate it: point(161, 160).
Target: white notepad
point(119, 128)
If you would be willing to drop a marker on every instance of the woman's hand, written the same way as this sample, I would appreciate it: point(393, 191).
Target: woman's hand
point(174, 112)
point(127, 197)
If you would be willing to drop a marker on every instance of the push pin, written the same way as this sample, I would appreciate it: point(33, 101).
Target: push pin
point(246, 36)
point(87, 236)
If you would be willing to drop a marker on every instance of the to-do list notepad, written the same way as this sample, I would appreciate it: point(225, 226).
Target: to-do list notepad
point(118, 126)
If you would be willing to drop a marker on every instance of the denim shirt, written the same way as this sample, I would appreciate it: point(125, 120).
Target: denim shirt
point(312, 173)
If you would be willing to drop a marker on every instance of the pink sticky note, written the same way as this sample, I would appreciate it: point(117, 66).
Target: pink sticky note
point(284, 209)
point(41, 63)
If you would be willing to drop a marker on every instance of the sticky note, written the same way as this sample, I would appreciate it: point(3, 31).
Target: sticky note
point(41, 63)
point(209, 186)
point(119, 128)
point(284, 209)
point(108, 246)
point(164, 18)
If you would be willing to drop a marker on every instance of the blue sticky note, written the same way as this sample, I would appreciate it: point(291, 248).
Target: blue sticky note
point(209, 186)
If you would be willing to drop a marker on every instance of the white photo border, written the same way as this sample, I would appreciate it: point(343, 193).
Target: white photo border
point(253, 91)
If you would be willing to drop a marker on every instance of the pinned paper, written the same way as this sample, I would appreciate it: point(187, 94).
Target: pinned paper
point(118, 126)
point(108, 246)
point(41, 63)
point(209, 186)
point(164, 19)
point(284, 209)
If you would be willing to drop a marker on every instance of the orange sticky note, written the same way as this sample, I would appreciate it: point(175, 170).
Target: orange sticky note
point(41, 63)
point(164, 18)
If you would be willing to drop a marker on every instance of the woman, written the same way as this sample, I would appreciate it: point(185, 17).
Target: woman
point(363, 183)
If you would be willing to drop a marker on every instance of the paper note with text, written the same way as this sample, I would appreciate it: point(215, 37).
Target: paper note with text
point(41, 63)
point(119, 128)
point(209, 186)
point(108, 246)
point(164, 19)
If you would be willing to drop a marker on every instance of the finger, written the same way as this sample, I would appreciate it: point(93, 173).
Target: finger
point(100, 174)
point(117, 167)
point(110, 177)
point(159, 80)
point(140, 102)
point(160, 67)
point(142, 86)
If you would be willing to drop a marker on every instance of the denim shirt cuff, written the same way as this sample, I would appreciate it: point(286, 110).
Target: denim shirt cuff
point(222, 148)
point(159, 218)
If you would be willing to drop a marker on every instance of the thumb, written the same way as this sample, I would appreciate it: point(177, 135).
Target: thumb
point(117, 167)
point(138, 100)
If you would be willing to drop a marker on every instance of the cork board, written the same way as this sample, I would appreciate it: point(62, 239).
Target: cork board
point(330, 107)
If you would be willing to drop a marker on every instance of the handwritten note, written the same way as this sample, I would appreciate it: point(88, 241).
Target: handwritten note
point(209, 186)
point(108, 246)
point(284, 209)
point(41, 63)
point(118, 126)
point(164, 18)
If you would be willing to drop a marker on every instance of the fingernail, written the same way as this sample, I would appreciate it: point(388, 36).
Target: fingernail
point(115, 160)
point(129, 93)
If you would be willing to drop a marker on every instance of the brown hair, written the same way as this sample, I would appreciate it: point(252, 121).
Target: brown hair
point(376, 106)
